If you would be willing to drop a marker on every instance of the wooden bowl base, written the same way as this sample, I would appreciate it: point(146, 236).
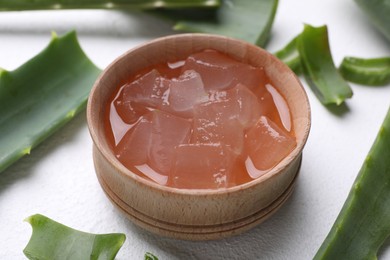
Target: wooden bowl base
point(198, 232)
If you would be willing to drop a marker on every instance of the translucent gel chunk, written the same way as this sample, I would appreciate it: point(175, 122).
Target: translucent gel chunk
point(267, 105)
point(216, 122)
point(185, 92)
point(267, 144)
point(168, 131)
point(240, 175)
point(133, 149)
point(171, 69)
point(152, 174)
point(245, 106)
point(129, 111)
point(220, 72)
point(281, 106)
point(149, 90)
point(118, 127)
point(202, 166)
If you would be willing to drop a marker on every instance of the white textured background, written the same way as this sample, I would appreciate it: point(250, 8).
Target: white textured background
point(58, 178)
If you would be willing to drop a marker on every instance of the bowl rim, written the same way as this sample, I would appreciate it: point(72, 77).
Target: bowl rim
point(125, 172)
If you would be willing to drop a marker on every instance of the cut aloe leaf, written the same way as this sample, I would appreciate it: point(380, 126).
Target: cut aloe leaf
point(248, 20)
point(318, 67)
point(52, 240)
point(372, 72)
point(150, 256)
point(39, 97)
point(16, 5)
point(378, 11)
point(364, 221)
point(290, 56)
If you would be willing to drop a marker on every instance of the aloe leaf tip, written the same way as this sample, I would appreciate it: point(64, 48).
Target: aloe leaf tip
point(54, 35)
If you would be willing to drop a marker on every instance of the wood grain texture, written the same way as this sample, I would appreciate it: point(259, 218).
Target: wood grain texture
point(195, 214)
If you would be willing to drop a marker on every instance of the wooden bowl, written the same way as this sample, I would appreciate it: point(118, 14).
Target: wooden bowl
point(184, 213)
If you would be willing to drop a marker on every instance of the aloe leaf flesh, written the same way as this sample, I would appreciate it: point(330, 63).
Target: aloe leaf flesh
point(18, 5)
point(364, 221)
point(378, 12)
point(248, 20)
point(42, 95)
point(290, 55)
point(53, 240)
point(318, 67)
point(372, 72)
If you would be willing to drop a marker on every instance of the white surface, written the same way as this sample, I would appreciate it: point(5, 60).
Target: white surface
point(58, 178)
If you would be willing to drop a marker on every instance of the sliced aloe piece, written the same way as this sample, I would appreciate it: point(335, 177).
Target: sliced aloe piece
point(249, 20)
point(378, 11)
point(290, 56)
point(150, 256)
point(39, 97)
point(318, 67)
point(364, 221)
point(13, 5)
point(372, 72)
point(52, 240)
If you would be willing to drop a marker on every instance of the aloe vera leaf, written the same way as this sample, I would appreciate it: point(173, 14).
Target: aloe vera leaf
point(372, 72)
point(53, 240)
point(364, 221)
point(289, 54)
point(318, 67)
point(248, 20)
point(43, 94)
point(17, 5)
point(150, 256)
point(378, 11)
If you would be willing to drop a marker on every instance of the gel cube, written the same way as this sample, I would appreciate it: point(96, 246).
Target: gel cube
point(167, 132)
point(221, 72)
point(216, 122)
point(186, 91)
point(128, 110)
point(150, 90)
point(266, 144)
point(202, 166)
point(244, 104)
point(134, 147)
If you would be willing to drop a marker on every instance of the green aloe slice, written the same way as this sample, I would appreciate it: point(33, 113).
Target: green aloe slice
point(43, 94)
point(373, 72)
point(378, 11)
point(52, 240)
point(248, 20)
point(318, 67)
point(290, 55)
point(364, 221)
point(12, 5)
point(150, 256)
